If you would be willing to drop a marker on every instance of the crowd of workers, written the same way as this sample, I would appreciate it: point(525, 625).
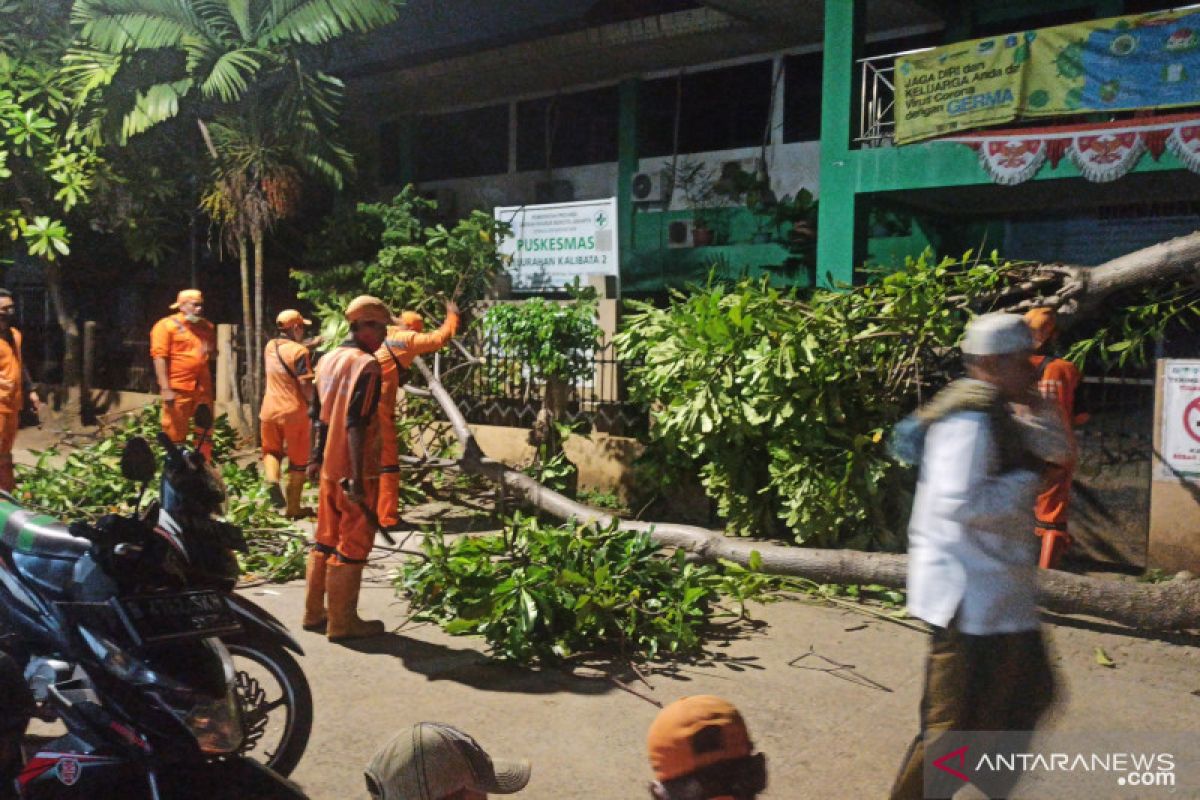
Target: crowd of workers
point(996, 453)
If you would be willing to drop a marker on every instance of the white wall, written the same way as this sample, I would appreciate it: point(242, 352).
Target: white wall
point(792, 166)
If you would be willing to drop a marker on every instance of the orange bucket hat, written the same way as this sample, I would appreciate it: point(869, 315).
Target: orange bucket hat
point(366, 308)
point(696, 732)
point(411, 320)
point(1042, 323)
point(187, 296)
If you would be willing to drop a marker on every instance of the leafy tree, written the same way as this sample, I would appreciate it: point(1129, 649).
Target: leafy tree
point(254, 71)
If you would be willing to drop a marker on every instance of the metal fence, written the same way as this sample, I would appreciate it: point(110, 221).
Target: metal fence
point(493, 386)
point(877, 99)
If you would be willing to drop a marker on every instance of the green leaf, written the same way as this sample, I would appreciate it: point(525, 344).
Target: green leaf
point(1102, 658)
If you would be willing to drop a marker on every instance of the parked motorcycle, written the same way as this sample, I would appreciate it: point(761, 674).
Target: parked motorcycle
point(129, 633)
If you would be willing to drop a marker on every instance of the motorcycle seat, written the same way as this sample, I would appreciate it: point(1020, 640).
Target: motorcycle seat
point(35, 534)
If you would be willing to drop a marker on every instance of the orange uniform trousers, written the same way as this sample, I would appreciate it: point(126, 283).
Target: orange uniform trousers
point(342, 527)
point(387, 508)
point(1050, 514)
point(177, 416)
point(8, 437)
point(288, 436)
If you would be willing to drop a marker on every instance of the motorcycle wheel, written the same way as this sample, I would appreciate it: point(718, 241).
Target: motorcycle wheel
point(270, 681)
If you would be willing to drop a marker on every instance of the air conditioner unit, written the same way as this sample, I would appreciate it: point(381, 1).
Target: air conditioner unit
point(557, 191)
point(652, 187)
point(679, 233)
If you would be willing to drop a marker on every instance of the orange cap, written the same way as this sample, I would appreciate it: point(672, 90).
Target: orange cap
point(411, 320)
point(693, 733)
point(289, 317)
point(1041, 322)
point(187, 296)
point(366, 308)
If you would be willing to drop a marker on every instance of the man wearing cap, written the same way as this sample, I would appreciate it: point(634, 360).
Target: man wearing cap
point(284, 416)
point(182, 345)
point(432, 761)
point(972, 571)
point(345, 446)
point(1057, 380)
point(405, 341)
point(700, 749)
point(16, 388)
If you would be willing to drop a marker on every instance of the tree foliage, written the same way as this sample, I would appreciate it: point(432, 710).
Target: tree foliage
point(540, 593)
point(418, 261)
point(86, 484)
point(47, 166)
point(783, 403)
point(553, 340)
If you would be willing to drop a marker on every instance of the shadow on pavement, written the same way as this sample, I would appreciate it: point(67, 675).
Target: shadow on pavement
point(470, 668)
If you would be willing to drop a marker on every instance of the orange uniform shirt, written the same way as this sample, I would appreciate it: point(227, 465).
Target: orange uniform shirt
point(287, 366)
point(12, 395)
point(399, 350)
point(187, 347)
point(1059, 380)
point(347, 395)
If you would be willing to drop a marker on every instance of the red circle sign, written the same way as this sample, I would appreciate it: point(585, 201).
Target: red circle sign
point(1191, 419)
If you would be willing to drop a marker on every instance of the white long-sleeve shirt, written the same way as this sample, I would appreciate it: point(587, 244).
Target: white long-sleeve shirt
point(972, 551)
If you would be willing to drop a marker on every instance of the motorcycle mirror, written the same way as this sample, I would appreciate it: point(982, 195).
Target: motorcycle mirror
point(203, 418)
point(137, 460)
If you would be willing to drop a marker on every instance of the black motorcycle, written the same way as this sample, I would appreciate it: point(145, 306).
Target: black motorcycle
point(127, 632)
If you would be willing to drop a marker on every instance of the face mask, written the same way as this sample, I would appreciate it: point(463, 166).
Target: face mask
point(192, 317)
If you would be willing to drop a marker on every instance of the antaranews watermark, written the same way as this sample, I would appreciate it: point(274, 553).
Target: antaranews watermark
point(1064, 765)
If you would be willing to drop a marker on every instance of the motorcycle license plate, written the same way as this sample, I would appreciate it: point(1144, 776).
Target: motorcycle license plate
point(160, 617)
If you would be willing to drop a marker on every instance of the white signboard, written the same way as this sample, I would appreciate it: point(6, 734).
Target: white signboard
point(552, 244)
point(1180, 420)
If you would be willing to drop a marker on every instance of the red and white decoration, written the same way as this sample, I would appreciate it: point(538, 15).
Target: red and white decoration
point(1103, 152)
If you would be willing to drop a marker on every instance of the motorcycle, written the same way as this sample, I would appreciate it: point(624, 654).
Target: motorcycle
point(127, 631)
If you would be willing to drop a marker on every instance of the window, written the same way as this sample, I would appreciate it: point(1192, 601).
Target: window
point(579, 128)
point(719, 109)
point(802, 97)
point(464, 144)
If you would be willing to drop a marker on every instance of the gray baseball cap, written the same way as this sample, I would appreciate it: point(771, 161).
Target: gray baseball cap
point(430, 761)
point(997, 334)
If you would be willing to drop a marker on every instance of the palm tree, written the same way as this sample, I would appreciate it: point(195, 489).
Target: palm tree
point(250, 73)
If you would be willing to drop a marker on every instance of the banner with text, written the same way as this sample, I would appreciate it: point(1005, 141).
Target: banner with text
point(1116, 64)
point(552, 245)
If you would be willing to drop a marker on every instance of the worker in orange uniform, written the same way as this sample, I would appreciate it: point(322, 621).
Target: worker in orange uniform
point(406, 340)
point(182, 345)
point(1057, 381)
point(15, 388)
point(284, 415)
point(345, 446)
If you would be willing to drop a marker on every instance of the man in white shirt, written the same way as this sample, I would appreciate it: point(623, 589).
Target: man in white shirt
point(972, 568)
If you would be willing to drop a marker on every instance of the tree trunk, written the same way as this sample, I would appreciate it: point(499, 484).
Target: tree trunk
point(66, 322)
point(1166, 606)
point(257, 356)
point(1079, 292)
point(247, 318)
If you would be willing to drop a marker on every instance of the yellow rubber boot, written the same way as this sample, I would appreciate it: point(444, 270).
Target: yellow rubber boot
point(271, 478)
point(295, 494)
point(342, 582)
point(314, 591)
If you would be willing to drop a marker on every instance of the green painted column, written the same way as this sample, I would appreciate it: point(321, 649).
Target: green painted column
point(841, 235)
point(627, 167)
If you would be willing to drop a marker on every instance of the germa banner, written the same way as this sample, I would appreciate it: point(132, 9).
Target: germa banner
point(1116, 64)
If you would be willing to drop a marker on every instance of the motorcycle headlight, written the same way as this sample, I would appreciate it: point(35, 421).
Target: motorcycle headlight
point(216, 724)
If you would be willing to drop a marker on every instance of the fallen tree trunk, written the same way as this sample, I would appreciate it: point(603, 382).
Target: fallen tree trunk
point(1174, 605)
point(1079, 292)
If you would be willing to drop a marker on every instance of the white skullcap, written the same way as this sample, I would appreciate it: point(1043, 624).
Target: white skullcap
point(996, 334)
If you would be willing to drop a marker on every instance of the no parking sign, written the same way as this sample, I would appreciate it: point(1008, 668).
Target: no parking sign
point(1180, 420)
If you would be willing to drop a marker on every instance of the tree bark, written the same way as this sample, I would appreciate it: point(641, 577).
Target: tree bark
point(247, 313)
point(66, 322)
point(1079, 292)
point(1166, 606)
point(257, 356)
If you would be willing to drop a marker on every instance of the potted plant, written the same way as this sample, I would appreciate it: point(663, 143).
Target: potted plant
point(698, 183)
